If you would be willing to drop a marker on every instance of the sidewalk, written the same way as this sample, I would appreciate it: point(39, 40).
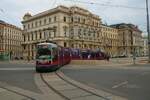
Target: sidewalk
point(138, 60)
point(19, 61)
point(7, 95)
point(112, 63)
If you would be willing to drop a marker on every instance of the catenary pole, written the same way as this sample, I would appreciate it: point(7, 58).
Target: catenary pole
point(148, 30)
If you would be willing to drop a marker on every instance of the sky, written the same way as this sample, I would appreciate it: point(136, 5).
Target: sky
point(12, 11)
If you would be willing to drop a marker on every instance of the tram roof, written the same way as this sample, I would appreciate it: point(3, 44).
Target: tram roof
point(52, 44)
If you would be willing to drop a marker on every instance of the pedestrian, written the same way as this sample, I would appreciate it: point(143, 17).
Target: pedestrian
point(89, 56)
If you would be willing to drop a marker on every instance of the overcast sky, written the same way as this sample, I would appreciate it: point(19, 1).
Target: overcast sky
point(12, 11)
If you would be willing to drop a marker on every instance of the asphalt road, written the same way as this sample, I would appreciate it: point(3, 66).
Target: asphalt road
point(132, 83)
point(19, 75)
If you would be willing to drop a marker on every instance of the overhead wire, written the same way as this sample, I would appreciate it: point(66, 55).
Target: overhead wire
point(5, 16)
point(109, 5)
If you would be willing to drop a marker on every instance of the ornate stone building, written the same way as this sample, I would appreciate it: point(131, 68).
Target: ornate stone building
point(145, 46)
point(110, 40)
point(67, 26)
point(130, 39)
point(10, 40)
point(78, 28)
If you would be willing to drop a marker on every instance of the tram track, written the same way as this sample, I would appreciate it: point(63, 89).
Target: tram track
point(51, 87)
point(79, 86)
point(65, 88)
point(56, 85)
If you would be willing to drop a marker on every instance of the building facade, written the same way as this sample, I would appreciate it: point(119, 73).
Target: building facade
point(145, 46)
point(67, 26)
point(10, 40)
point(76, 27)
point(130, 39)
point(110, 40)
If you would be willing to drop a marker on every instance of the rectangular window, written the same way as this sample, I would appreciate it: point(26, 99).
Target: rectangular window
point(32, 36)
point(50, 20)
point(28, 37)
point(45, 35)
point(40, 35)
point(65, 34)
point(36, 24)
point(84, 21)
point(32, 25)
point(35, 36)
point(40, 22)
point(32, 47)
point(28, 26)
point(49, 34)
point(24, 38)
point(64, 19)
point(44, 21)
point(54, 33)
point(55, 18)
point(71, 19)
point(24, 47)
point(72, 45)
point(79, 19)
point(65, 44)
point(24, 27)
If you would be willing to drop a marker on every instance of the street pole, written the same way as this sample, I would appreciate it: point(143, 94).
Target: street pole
point(148, 30)
point(134, 55)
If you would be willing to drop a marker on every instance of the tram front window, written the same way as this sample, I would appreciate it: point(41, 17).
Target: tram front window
point(44, 54)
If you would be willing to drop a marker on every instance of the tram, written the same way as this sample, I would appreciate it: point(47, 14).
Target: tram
point(50, 56)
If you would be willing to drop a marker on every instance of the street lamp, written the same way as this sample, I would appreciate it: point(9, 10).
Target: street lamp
point(148, 30)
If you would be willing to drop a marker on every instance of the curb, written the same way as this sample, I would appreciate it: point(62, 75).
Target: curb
point(101, 93)
point(17, 62)
point(89, 62)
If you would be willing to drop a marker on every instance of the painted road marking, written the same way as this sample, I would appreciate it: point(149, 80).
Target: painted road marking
point(132, 86)
point(3, 69)
point(145, 73)
point(120, 84)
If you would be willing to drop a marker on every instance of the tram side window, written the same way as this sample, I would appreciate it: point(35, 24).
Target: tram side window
point(55, 53)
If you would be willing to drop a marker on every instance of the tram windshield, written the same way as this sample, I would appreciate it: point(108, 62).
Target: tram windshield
point(43, 52)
